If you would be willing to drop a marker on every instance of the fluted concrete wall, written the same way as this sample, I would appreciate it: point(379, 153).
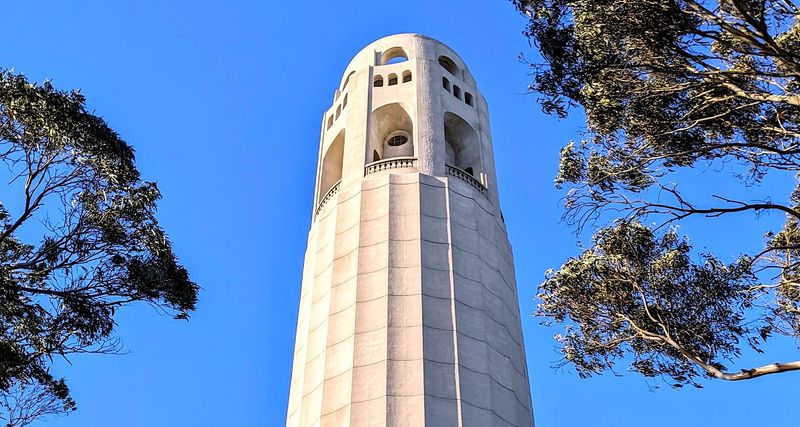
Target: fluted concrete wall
point(408, 310)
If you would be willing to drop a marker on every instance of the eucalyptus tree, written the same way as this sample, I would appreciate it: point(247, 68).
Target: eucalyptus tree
point(78, 240)
point(666, 86)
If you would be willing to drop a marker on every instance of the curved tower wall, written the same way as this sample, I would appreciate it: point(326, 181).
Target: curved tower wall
point(408, 310)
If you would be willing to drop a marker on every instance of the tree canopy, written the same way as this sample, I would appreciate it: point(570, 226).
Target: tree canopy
point(78, 240)
point(667, 85)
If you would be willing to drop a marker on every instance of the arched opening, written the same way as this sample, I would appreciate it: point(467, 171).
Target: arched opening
point(330, 122)
point(332, 165)
point(390, 132)
point(347, 80)
point(457, 91)
point(462, 145)
point(406, 76)
point(392, 79)
point(446, 84)
point(467, 98)
point(344, 101)
point(378, 81)
point(393, 56)
point(338, 111)
point(448, 65)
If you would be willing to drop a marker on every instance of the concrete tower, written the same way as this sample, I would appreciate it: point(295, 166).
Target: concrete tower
point(408, 309)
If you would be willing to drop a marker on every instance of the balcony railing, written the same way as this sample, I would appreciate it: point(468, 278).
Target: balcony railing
point(465, 176)
point(391, 163)
point(328, 196)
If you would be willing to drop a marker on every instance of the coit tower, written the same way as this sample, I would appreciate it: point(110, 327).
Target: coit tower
point(408, 310)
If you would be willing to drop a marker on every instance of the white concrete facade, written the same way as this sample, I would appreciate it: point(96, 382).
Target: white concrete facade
point(408, 310)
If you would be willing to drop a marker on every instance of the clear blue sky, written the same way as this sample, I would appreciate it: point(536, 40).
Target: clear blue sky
point(222, 102)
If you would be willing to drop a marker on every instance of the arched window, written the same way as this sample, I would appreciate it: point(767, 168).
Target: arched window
point(448, 65)
point(338, 111)
point(392, 79)
point(332, 162)
point(446, 84)
point(390, 132)
point(406, 76)
point(347, 80)
point(344, 101)
point(467, 98)
point(457, 91)
point(378, 81)
point(330, 122)
point(462, 144)
point(393, 56)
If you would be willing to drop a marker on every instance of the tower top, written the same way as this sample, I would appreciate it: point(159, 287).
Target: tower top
point(409, 102)
point(398, 47)
point(408, 312)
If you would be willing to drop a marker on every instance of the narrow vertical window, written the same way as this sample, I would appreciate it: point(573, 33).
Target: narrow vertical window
point(338, 111)
point(467, 98)
point(446, 84)
point(344, 102)
point(330, 121)
point(457, 91)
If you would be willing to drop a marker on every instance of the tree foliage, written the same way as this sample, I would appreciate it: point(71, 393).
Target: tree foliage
point(668, 85)
point(78, 240)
